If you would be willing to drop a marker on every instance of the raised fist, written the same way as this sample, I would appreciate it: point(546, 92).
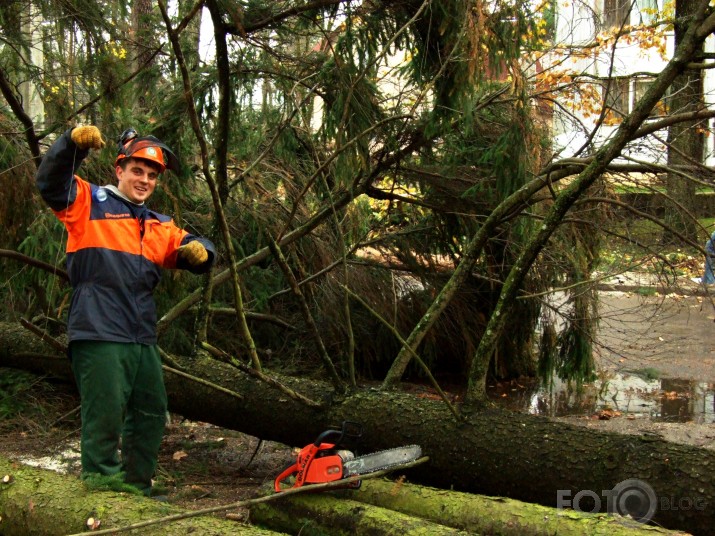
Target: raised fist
point(87, 137)
point(194, 253)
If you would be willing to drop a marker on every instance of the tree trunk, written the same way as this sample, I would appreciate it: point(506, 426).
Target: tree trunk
point(685, 140)
point(494, 452)
point(37, 502)
point(498, 516)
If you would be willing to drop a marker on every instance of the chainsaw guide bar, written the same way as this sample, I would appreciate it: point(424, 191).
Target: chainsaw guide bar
point(378, 461)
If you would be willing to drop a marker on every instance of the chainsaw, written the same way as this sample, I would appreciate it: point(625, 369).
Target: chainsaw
point(322, 461)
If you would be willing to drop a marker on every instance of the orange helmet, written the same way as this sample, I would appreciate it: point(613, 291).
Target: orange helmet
point(147, 148)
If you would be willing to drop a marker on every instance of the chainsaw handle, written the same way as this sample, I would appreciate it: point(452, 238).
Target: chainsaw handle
point(290, 470)
point(349, 429)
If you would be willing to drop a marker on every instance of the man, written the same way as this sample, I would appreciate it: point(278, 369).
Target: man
point(709, 275)
point(116, 248)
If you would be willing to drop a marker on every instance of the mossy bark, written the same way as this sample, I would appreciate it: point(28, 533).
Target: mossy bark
point(496, 516)
point(494, 452)
point(319, 515)
point(37, 502)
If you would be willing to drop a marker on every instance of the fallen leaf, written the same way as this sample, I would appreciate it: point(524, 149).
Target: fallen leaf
point(607, 414)
point(179, 454)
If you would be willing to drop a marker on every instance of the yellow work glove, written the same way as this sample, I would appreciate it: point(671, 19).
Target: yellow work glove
point(194, 253)
point(87, 137)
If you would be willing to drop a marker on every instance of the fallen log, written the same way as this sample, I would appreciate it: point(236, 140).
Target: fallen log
point(323, 514)
point(493, 452)
point(38, 502)
point(498, 516)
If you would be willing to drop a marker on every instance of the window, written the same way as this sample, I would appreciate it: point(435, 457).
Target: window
point(647, 11)
point(640, 86)
point(621, 95)
point(616, 93)
point(615, 13)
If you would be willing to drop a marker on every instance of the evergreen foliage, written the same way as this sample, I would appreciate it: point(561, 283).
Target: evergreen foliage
point(382, 134)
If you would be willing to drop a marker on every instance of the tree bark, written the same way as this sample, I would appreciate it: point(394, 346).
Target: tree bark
point(686, 139)
point(323, 514)
point(494, 452)
point(37, 502)
point(480, 514)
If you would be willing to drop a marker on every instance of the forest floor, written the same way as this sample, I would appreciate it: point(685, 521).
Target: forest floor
point(656, 356)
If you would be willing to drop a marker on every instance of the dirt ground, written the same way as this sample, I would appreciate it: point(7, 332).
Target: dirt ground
point(646, 345)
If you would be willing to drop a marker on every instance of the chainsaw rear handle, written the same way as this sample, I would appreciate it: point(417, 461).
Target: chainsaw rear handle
point(349, 429)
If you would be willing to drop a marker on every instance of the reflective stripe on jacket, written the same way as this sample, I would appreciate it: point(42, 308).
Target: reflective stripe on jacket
point(115, 251)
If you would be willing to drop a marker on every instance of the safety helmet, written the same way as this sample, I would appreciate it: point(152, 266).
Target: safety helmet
point(146, 148)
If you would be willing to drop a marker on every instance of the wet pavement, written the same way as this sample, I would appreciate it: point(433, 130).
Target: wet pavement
point(656, 356)
point(672, 334)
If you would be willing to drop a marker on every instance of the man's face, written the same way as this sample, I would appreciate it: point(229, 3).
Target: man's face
point(137, 180)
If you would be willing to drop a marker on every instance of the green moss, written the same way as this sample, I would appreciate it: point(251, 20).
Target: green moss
point(97, 482)
point(646, 291)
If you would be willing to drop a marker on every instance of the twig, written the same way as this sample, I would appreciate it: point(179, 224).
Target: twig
point(37, 355)
point(202, 381)
point(62, 417)
point(404, 344)
point(259, 375)
point(292, 491)
point(10, 254)
point(253, 316)
point(290, 278)
point(167, 358)
point(57, 345)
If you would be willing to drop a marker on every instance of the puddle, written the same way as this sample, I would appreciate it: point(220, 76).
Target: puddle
point(664, 399)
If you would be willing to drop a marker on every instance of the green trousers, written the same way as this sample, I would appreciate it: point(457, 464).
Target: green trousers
point(123, 397)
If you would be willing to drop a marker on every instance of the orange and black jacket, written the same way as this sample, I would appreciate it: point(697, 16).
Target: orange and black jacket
point(115, 251)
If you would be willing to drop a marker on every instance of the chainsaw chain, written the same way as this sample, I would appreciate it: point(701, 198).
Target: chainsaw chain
point(380, 453)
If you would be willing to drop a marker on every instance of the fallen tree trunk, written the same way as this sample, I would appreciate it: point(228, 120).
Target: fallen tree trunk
point(38, 502)
point(323, 514)
point(498, 516)
point(495, 452)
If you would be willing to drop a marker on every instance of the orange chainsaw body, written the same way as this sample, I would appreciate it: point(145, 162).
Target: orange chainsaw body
point(316, 465)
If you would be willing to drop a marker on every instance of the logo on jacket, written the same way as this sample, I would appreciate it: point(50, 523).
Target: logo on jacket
point(117, 216)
